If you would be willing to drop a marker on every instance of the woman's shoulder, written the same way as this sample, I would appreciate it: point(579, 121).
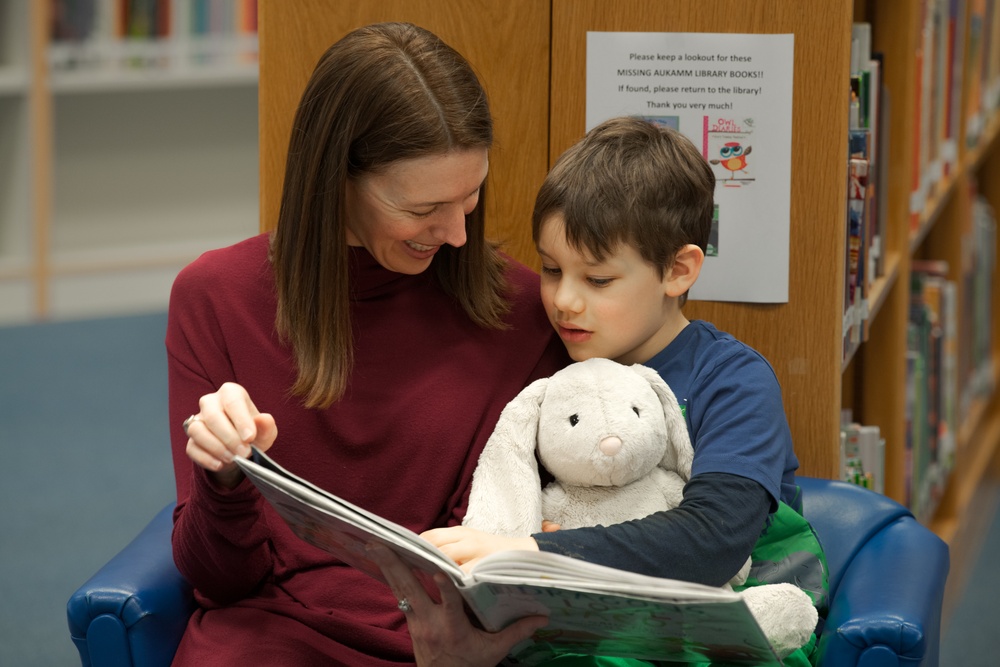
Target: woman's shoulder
point(231, 265)
point(237, 277)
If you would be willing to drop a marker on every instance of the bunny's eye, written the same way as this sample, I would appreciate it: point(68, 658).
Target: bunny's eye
point(635, 410)
point(574, 420)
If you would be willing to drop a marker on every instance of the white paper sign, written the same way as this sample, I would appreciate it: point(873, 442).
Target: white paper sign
point(731, 95)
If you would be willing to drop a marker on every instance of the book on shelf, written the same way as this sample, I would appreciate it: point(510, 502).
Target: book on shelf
point(592, 609)
point(862, 454)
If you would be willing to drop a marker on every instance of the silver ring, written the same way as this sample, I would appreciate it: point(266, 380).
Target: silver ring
point(187, 423)
point(405, 606)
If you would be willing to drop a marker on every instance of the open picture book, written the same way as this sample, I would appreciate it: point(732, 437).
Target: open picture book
point(592, 609)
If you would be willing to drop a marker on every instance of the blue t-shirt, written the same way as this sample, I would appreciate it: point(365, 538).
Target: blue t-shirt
point(731, 400)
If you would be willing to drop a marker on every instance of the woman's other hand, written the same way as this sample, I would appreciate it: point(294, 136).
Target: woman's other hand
point(442, 633)
point(225, 425)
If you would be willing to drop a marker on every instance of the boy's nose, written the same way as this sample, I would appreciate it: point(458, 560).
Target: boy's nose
point(567, 299)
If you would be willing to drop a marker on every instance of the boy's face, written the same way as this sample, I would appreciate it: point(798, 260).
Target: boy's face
point(617, 309)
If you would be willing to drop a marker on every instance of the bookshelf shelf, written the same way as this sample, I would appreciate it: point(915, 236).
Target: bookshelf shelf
point(116, 172)
point(13, 81)
point(884, 283)
point(105, 81)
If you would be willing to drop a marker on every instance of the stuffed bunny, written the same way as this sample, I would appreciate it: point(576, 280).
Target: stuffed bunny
point(617, 444)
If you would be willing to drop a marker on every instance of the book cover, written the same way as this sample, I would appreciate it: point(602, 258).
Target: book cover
point(727, 144)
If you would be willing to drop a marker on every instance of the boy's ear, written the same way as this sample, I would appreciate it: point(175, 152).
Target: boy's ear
point(683, 274)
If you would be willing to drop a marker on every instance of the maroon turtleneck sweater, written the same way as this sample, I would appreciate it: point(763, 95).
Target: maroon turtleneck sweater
point(425, 393)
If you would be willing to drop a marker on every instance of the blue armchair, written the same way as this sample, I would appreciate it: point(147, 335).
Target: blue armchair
point(887, 577)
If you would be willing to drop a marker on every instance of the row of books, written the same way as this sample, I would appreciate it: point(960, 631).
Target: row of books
point(949, 366)
point(862, 454)
point(977, 319)
point(983, 68)
point(949, 362)
point(866, 210)
point(931, 384)
point(959, 45)
point(110, 34)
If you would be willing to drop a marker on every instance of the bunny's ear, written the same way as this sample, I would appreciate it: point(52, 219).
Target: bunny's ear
point(679, 454)
point(506, 496)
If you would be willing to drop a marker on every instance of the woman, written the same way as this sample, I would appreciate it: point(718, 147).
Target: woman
point(383, 333)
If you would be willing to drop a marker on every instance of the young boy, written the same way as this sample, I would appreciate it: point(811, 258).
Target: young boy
point(621, 224)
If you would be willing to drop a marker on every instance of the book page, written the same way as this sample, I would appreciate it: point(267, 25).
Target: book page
point(556, 570)
point(339, 527)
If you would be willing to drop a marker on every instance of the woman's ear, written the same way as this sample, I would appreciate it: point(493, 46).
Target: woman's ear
point(679, 278)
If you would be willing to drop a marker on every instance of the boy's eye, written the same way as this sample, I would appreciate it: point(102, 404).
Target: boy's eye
point(599, 282)
point(550, 270)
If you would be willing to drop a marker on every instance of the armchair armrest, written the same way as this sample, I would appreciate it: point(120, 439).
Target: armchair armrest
point(134, 610)
point(887, 610)
point(887, 577)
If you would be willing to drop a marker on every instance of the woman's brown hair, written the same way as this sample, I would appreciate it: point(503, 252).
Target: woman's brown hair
point(385, 92)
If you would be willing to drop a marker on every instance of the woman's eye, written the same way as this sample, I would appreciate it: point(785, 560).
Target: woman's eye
point(574, 420)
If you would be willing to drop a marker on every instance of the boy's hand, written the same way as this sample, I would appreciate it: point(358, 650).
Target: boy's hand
point(466, 546)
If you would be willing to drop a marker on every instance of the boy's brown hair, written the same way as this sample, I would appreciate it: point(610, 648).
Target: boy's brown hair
point(630, 181)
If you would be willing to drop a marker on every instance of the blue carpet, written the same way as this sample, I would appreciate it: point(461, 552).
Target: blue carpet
point(83, 411)
point(968, 632)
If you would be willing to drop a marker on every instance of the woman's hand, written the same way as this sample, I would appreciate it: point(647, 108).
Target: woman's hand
point(441, 631)
point(466, 546)
point(225, 425)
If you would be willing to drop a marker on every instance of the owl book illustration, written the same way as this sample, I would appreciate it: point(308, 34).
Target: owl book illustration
point(727, 145)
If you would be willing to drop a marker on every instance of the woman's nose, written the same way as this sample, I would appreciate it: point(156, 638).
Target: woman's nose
point(451, 229)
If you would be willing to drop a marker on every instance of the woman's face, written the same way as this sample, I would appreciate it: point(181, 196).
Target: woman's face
point(405, 212)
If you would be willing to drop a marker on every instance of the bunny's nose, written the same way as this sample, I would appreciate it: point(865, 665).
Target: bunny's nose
point(610, 445)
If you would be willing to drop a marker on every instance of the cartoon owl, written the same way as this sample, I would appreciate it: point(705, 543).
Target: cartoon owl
point(734, 157)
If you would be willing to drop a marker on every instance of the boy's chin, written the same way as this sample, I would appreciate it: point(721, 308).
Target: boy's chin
point(583, 355)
